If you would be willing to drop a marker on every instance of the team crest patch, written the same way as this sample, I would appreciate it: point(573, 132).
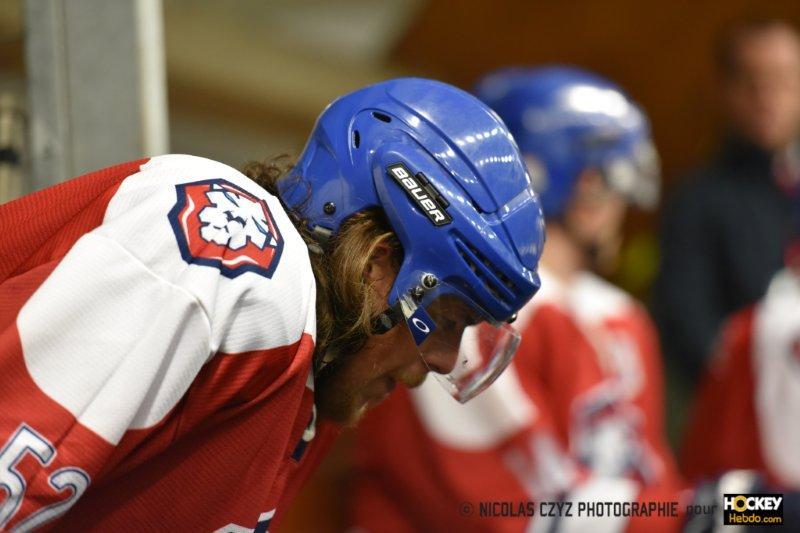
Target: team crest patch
point(220, 225)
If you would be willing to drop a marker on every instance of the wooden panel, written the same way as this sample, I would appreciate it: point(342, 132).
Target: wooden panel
point(660, 52)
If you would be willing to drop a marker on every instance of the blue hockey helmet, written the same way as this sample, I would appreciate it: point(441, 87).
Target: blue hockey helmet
point(566, 120)
point(448, 176)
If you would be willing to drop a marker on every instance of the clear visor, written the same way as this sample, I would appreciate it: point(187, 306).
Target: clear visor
point(636, 177)
point(459, 342)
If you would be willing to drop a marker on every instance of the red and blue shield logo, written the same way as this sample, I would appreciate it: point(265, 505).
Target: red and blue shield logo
point(220, 225)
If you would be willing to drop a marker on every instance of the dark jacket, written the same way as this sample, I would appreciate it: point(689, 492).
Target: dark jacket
point(723, 236)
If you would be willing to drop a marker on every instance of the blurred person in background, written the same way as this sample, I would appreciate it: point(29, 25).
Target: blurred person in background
point(748, 405)
point(724, 232)
point(180, 341)
point(579, 413)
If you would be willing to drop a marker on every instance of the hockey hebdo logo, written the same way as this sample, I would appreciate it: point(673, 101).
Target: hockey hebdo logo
point(762, 509)
point(220, 225)
point(423, 193)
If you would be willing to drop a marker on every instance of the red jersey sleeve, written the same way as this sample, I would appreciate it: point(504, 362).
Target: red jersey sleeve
point(723, 432)
point(150, 303)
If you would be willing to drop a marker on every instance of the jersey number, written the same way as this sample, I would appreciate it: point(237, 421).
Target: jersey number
point(26, 440)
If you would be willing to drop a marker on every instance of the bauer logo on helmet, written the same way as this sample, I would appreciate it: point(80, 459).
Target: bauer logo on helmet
point(422, 191)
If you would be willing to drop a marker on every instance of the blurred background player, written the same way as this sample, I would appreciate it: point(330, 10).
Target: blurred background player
point(748, 401)
point(589, 151)
point(171, 329)
point(578, 415)
point(713, 264)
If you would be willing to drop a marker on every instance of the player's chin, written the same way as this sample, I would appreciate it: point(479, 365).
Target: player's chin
point(412, 380)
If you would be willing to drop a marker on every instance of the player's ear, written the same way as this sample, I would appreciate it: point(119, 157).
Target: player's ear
point(381, 269)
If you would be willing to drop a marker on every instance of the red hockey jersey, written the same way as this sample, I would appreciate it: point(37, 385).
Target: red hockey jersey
point(626, 344)
point(748, 405)
point(426, 463)
point(157, 323)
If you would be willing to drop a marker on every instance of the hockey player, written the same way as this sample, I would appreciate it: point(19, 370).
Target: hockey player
point(748, 403)
point(590, 155)
point(578, 415)
point(171, 331)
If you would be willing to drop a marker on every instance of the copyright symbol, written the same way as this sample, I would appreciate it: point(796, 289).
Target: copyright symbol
point(466, 509)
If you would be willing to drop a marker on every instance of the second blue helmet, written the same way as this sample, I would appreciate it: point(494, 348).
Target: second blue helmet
point(566, 120)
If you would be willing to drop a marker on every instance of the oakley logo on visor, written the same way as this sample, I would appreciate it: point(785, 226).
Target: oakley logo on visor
point(423, 325)
point(424, 194)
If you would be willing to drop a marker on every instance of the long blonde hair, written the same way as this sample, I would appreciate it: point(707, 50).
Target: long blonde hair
point(345, 300)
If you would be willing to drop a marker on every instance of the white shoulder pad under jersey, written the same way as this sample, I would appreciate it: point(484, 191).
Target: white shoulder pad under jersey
point(191, 259)
point(594, 299)
point(776, 367)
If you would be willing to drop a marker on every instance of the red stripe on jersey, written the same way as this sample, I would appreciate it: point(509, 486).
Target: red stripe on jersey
point(22, 402)
point(43, 226)
point(225, 450)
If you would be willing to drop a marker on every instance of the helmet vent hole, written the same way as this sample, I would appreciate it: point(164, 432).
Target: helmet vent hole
point(488, 264)
point(493, 280)
point(381, 117)
point(356, 139)
point(480, 275)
